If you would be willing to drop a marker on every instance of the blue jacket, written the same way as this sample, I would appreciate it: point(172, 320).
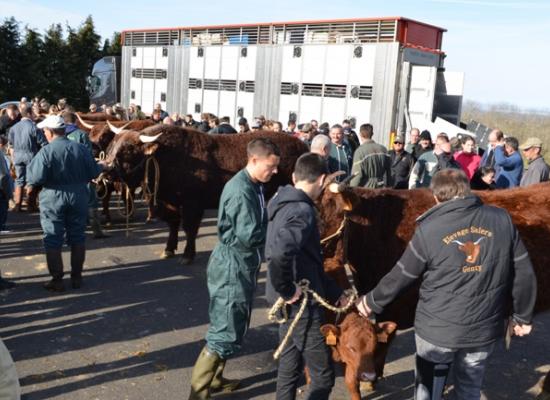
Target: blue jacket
point(63, 165)
point(26, 140)
point(511, 168)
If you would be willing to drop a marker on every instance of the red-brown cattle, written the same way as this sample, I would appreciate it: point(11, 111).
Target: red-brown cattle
point(96, 117)
point(361, 346)
point(193, 168)
point(376, 226)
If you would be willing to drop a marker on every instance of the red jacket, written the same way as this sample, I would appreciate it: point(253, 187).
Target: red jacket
point(469, 162)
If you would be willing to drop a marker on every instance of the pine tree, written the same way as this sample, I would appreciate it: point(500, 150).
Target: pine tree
point(10, 71)
point(55, 67)
point(32, 63)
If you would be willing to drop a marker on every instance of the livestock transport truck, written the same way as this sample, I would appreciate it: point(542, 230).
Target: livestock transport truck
point(385, 71)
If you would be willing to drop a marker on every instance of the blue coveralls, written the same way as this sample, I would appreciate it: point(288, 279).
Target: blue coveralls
point(79, 136)
point(26, 140)
point(64, 169)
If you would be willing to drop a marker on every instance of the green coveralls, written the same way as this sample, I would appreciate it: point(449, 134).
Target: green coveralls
point(78, 136)
point(234, 264)
point(64, 169)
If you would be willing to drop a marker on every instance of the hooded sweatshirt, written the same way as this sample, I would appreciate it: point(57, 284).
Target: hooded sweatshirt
point(293, 247)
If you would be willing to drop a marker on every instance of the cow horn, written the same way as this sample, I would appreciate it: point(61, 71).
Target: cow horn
point(116, 130)
point(339, 187)
point(84, 124)
point(149, 139)
point(458, 242)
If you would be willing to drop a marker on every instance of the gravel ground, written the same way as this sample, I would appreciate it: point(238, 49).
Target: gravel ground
point(136, 327)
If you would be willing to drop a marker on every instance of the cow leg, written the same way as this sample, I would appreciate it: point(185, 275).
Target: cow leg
point(352, 383)
point(105, 202)
point(190, 225)
point(150, 209)
point(172, 242)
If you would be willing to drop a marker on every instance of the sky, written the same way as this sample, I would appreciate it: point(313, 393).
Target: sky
point(503, 47)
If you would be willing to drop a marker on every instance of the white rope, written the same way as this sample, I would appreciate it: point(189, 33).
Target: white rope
point(280, 305)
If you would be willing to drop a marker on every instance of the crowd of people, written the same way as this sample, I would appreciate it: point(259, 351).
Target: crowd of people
point(47, 150)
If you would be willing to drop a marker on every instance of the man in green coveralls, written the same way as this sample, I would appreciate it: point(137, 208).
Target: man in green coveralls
point(233, 267)
point(63, 168)
point(79, 136)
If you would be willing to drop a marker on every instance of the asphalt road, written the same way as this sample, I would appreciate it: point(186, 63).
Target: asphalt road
point(136, 327)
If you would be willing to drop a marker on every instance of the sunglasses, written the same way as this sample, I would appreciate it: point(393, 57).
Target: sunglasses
point(397, 142)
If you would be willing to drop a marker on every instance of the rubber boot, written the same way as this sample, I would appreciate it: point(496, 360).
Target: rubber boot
point(223, 385)
point(93, 216)
point(203, 373)
point(78, 255)
point(31, 199)
point(55, 267)
point(18, 198)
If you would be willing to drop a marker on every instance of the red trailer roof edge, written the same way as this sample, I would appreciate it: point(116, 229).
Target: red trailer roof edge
point(304, 22)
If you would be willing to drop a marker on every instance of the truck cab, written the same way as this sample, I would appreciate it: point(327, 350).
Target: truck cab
point(103, 85)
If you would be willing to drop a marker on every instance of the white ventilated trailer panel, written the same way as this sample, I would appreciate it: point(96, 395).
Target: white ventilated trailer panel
point(149, 57)
point(359, 110)
point(135, 89)
point(194, 97)
point(210, 101)
point(337, 62)
point(230, 62)
point(147, 95)
point(161, 89)
point(361, 70)
point(137, 60)
point(421, 95)
point(212, 58)
point(247, 65)
point(313, 63)
point(162, 57)
point(227, 105)
point(196, 64)
point(288, 105)
point(292, 66)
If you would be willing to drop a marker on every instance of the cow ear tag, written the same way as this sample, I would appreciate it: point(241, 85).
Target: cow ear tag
point(331, 339)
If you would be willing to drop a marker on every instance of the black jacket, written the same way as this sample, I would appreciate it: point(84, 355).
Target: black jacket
point(225, 128)
point(401, 167)
point(473, 265)
point(293, 248)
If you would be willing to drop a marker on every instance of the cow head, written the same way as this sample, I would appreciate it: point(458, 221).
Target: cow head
point(360, 344)
point(471, 249)
point(125, 159)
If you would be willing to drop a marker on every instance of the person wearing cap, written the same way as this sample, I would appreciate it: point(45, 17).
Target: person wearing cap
point(305, 133)
point(537, 171)
point(425, 144)
point(371, 162)
point(256, 125)
point(63, 168)
point(25, 141)
point(401, 164)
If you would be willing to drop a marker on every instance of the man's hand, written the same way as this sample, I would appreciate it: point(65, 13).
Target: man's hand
point(296, 296)
point(522, 329)
point(362, 306)
point(342, 301)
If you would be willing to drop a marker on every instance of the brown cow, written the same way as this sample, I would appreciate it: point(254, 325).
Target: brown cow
point(381, 222)
point(361, 346)
point(96, 117)
point(194, 167)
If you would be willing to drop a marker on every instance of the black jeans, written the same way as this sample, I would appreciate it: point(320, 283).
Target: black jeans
point(306, 347)
point(3, 209)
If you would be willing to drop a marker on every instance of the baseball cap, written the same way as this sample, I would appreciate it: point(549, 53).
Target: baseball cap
point(399, 139)
point(52, 122)
point(531, 142)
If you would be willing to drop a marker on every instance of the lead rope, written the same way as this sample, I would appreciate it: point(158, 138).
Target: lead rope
point(146, 190)
point(280, 305)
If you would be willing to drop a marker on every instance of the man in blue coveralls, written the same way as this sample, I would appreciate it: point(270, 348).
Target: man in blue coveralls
point(63, 168)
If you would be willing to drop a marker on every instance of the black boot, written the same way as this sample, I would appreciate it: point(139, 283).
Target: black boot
point(78, 254)
point(55, 267)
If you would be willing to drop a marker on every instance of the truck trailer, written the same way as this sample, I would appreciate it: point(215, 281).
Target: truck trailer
point(385, 71)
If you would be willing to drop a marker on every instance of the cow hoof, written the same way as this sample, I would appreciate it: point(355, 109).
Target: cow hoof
point(186, 260)
point(366, 387)
point(167, 254)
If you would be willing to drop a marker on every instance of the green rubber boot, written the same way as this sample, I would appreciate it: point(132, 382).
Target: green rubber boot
point(203, 374)
point(223, 385)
